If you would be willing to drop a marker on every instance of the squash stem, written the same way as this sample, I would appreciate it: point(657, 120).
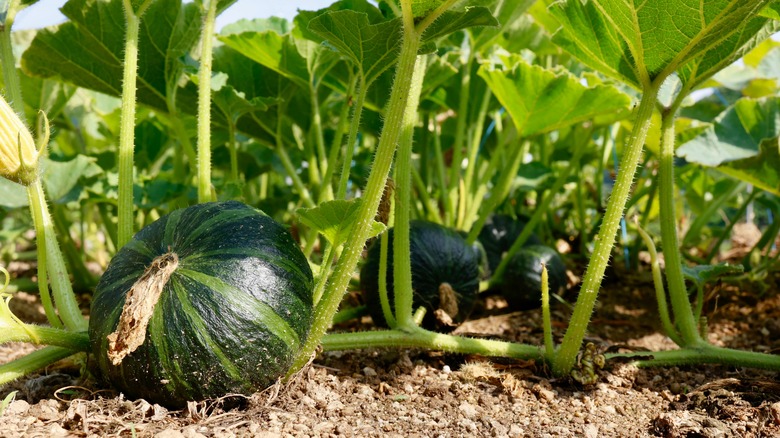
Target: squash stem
point(36, 360)
point(375, 187)
point(549, 345)
point(204, 104)
point(62, 289)
point(683, 314)
point(338, 137)
point(578, 325)
point(354, 126)
point(702, 353)
point(42, 335)
point(421, 338)
point(12, 83)
point(660, 293)
point(402, 264)
point(127, 122)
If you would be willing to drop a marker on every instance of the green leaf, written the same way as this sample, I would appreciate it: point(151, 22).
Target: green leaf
point(88, 50)
point(371, 47)
point(762, 170)
point(702, 274)
point(540, 100)
point(7, 401)
point(336, 219)
point(736, 133)
point(640, 42)
point(506, 12)
point(453, 21)
point(272, 50)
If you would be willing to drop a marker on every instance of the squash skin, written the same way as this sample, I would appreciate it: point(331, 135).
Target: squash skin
point(498, 235)
point(236, 333)
point(438, 255)
point(521, 284)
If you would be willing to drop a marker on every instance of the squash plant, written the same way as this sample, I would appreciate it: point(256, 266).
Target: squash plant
point(309, 120)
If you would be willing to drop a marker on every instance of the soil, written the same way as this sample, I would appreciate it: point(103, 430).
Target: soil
point(409, 393)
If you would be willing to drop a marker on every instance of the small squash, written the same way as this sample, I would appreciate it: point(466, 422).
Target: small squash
point(521, 284)
point(498, 235)
point(445, 276)
point(208, 300)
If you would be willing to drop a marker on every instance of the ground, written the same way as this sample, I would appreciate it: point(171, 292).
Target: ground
point(409, 393)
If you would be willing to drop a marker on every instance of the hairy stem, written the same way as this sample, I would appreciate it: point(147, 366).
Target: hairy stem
point(204, 105)
point(127, 122)
point(572, 340)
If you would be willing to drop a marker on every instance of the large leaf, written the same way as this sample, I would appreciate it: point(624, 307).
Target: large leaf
point(88, 50)
point(736, 133)
point(272, 50)
point(540, 100)
point(371, 47)
point(637, 42)
point(742, 142)
point(507, 13)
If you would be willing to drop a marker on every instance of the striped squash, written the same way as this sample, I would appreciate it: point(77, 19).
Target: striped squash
point(225, 295)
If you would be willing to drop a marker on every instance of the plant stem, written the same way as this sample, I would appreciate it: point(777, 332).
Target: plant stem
point(703, 353)
point(681, 305)
point(375, 186)
point(62, 290)
point(421, 338)
point(549, 346)
point(41, 335)
point(460, 134)
point(204, 104)
point(34, 361)
point(338, 137)
point(402, 262)
point(354, 126)
point(127, 122)
point(13, 87)
point(658, 282)
point(567, 353)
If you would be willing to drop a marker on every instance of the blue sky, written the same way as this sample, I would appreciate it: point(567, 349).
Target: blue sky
point(47, 13)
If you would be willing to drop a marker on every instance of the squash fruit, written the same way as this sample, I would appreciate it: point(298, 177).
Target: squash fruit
point(521, 284)
point(498, 235)
point(233, 306)
point(445, 276)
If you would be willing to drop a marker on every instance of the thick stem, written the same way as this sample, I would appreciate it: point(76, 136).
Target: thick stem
point(567, 353)
point(380, 169)
point(204, 105)
point(421, 338)
point(127, 123)
point(703, 353)
point(683, 314)
point(34, 361)
point(402, 264)
point(62, 290)
point(41, 335)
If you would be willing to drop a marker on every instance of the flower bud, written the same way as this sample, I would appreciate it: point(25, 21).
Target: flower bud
point(18, 157)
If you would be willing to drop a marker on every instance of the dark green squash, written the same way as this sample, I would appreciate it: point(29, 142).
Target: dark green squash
point(235, 310)
point(438, 255)
point(498, 235)
point(521, 284)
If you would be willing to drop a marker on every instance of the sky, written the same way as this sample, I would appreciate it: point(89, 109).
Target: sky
point(46, 12)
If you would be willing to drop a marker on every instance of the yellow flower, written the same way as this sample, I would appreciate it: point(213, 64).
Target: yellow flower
point(16, 140)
